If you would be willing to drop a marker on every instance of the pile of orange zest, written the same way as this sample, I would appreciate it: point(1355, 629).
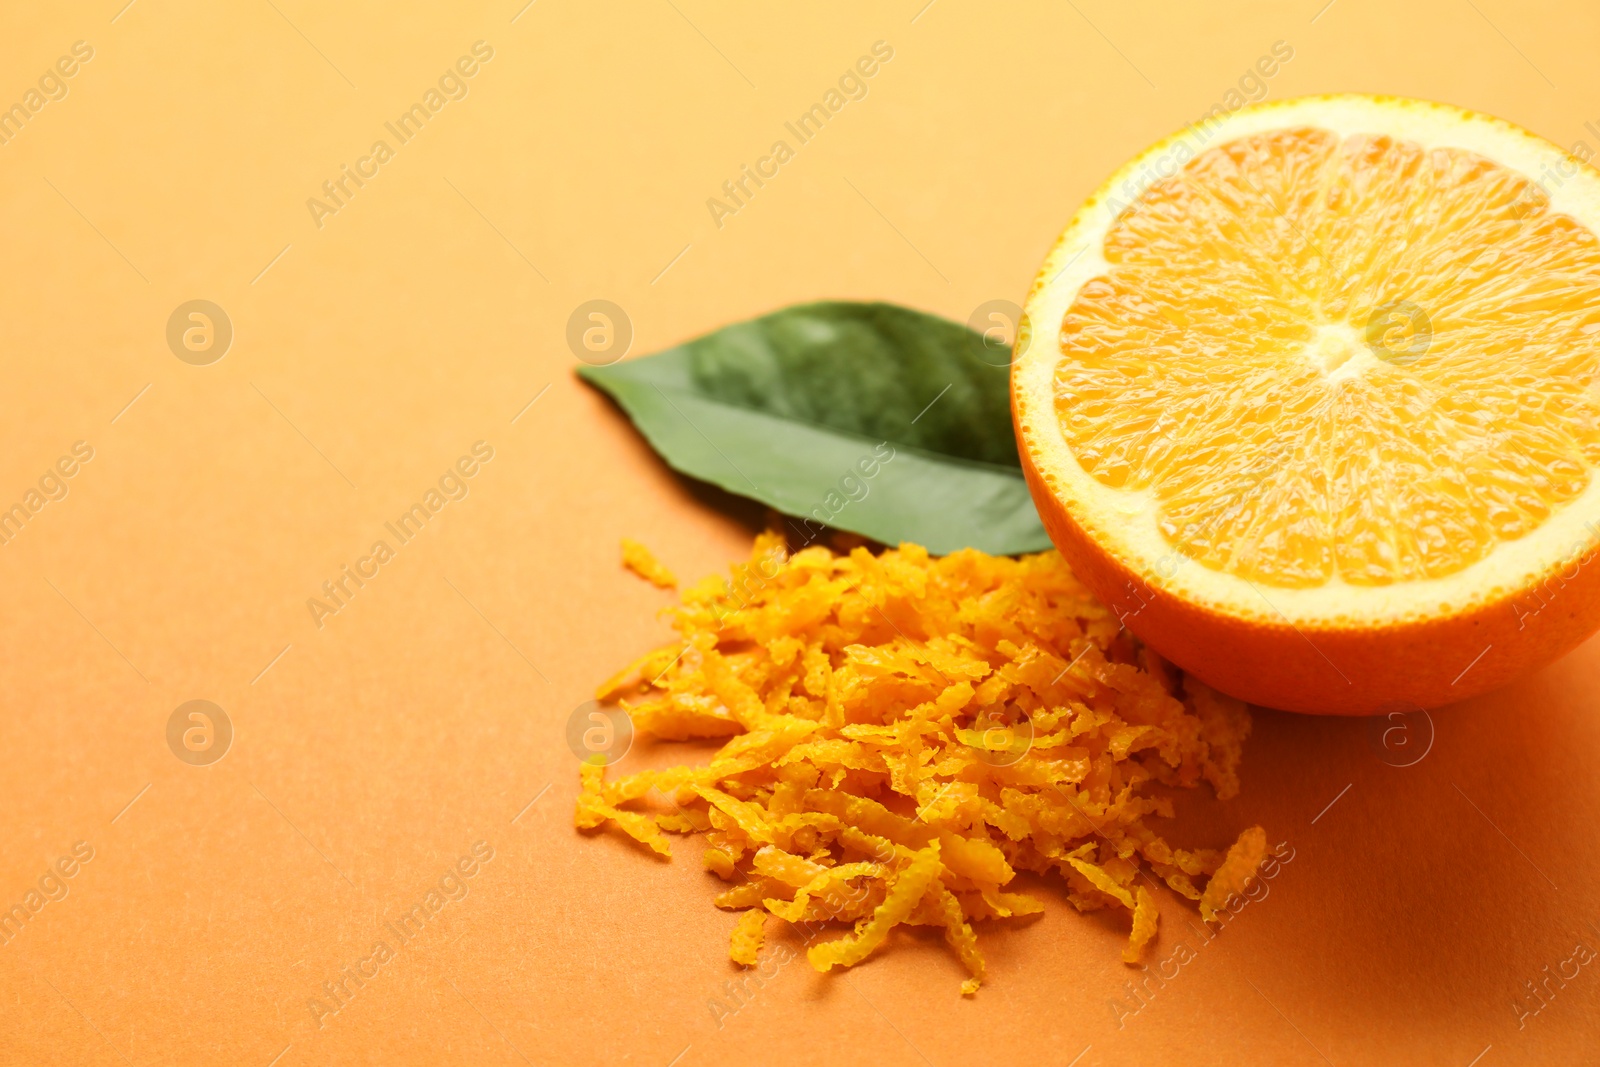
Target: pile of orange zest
point(906, 733)
point(641, 561)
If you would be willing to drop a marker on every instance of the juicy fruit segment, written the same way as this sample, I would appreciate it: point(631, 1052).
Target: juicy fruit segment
point(1338, 358)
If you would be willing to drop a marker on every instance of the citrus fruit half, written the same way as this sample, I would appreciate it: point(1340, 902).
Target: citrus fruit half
point(1307, 394)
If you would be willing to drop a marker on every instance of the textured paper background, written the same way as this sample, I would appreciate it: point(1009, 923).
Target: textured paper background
point(369, 354)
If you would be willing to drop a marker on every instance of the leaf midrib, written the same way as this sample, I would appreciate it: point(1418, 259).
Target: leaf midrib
point(943, 457)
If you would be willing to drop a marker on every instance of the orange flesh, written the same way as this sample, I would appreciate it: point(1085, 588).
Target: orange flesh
point(1334, 358)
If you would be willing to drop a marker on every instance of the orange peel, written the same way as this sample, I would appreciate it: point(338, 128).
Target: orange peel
point(1306, 394)
point(855, 784)
point(641, 561)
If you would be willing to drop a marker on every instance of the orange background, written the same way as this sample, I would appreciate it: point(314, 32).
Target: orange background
point(371, 754)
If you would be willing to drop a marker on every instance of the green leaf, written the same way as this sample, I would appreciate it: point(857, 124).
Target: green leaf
point(872, 418)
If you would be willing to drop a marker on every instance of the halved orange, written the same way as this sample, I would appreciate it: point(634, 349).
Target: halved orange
point(1307, 394)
